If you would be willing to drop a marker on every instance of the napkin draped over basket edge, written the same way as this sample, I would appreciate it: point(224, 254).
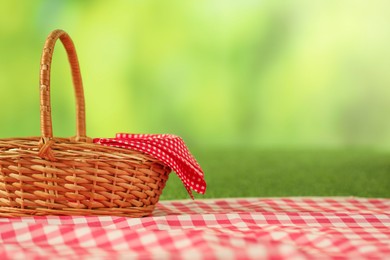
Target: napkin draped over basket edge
point(169, 149)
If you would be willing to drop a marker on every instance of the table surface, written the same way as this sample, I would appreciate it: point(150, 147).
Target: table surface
point(244, 228)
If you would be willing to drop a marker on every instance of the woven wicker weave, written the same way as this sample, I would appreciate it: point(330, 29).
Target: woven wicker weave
point(72, 176)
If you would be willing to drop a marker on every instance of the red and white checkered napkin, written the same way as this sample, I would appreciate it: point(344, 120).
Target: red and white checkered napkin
point(272, 228)
point(169, 149)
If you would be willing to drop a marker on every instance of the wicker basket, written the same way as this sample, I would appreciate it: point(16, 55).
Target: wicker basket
point(73, 176)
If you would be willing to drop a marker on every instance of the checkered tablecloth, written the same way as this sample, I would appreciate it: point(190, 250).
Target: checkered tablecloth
point(253, 228)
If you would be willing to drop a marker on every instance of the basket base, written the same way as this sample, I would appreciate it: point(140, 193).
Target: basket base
point(135, 212)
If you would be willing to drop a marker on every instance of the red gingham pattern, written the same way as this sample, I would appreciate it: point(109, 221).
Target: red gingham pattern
point(253, 228)
point(169, 149)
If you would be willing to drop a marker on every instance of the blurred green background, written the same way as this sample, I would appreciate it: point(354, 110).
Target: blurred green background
point(219, 73)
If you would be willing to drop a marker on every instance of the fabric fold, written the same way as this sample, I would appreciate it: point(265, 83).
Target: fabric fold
point(169, 149)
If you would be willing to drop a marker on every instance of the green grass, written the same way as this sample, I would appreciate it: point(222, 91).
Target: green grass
point(275, 173)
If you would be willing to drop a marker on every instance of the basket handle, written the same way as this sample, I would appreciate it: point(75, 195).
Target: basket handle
point(47, 54)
